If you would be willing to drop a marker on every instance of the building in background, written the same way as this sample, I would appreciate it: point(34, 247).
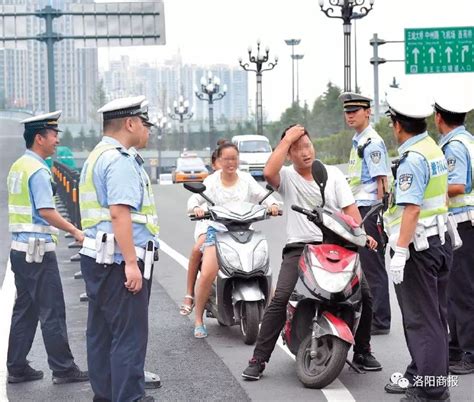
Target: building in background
point(23, 71)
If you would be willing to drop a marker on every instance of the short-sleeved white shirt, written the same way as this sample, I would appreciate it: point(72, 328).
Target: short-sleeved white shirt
point(295, 189)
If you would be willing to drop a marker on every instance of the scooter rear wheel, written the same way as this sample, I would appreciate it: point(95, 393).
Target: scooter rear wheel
point(249, 321)
point(330, 357)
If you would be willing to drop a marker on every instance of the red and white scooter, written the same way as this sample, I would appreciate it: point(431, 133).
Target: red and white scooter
point(321, 323)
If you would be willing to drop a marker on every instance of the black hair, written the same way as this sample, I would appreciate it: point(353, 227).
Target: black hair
point(411, 126)
point(214, 156)
point(221, 141)
point(30, 135)
point(452, 119)
point(286, 129)
point(226, 145)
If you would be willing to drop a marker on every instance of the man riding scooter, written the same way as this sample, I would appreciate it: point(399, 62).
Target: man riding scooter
point(296, 186)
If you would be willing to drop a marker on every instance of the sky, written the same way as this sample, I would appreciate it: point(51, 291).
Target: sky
point(220, 31)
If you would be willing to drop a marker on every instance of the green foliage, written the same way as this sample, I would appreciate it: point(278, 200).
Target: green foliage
point(335, 148)
point(98, 100)
point(66, 138)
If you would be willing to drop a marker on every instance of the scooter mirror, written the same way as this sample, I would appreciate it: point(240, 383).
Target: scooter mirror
point(320, 176)
point(269, 188)
point(197, 188)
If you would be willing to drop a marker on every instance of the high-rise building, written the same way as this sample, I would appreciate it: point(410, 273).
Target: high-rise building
point(163, 84)
point(24, 77)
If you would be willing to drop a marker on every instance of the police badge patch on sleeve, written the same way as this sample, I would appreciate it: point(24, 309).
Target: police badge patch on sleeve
point(405, 180)
point(451, 164)
point(375, 156)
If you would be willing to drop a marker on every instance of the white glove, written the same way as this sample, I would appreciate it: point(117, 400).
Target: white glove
point(397, 264)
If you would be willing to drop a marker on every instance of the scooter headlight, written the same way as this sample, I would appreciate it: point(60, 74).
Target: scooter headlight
point(230, 257)
point(260, 255)
point(333, 282)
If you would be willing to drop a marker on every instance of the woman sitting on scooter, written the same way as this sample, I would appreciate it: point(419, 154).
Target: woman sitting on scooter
point(224, 186)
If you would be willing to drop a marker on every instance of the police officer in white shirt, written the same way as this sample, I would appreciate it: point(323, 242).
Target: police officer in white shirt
point(451, 107)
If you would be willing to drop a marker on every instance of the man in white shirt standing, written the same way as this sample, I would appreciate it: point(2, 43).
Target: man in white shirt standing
point(296, 185)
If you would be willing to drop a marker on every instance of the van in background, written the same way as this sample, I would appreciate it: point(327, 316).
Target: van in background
point(254, 152)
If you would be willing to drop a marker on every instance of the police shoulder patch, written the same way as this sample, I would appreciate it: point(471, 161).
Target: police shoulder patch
point(451, 164)
point(404, 181)
point(375, 156)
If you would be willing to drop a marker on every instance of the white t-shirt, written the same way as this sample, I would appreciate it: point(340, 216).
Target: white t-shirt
point(296, 190)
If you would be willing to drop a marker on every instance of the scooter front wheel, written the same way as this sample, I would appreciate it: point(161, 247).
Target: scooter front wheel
point(249, 321)
point(322, 370)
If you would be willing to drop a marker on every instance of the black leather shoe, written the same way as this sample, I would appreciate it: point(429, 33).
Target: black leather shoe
point(146, 398)
point(28, 374)
point(462, 367)
point(72, 375)
point(366, 361)
point(392, 388)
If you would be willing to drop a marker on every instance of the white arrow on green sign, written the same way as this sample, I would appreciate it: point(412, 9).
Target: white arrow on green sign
point(439, 50)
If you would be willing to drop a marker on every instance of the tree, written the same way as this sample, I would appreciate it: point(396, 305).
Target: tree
point(98, 100)
point(66, 138)
point(93, 139)
point(327, 115)
point(81, 140)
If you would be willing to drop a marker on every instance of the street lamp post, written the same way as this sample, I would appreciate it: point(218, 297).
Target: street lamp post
point(292, 43)
point(160, 123)
point(210, 91)
point(259, 60)
point(180, 113)
point(347, 14)
point(297, 57)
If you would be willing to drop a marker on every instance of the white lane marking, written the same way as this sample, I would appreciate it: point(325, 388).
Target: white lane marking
point(334, 392)
point(7, 299)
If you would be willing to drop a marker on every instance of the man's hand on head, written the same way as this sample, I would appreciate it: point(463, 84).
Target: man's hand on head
point(293, 134)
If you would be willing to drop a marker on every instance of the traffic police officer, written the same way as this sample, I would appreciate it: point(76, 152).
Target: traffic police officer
point(119, 219)
point(422, 254)
point(368, 171)
point(458, 146)
point(34, 223)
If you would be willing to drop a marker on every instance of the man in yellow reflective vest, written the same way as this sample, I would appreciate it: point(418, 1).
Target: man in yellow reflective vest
point(367, 174)
point(421, 248)
point(457, 144)
point(119, 219)
point(34, 224)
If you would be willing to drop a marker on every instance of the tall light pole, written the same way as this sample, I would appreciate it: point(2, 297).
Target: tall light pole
point(180, 113)
point(210, 91)
point(292, 43)
point(160, 123)
point(259, 60)
point(349, 10)
point(297, 57)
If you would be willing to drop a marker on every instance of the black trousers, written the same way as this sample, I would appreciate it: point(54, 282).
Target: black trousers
point(117, 332)
point(373, 265)
point(461, 297)
point(275, 314)
point(422, 297)
point(39, 298)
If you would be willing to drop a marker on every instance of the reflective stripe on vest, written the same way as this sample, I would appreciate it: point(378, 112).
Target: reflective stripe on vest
point(20, 208)
point(362, 191)
point(92, 213)
point(464, 200)
point(434, 198)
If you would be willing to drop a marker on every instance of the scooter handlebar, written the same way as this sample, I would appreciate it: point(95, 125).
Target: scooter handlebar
point(193, 217)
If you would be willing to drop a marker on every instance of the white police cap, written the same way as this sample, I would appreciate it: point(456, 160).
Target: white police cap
point(408, 105)
point(453, 101)
point(126, 107)
point(43, 121)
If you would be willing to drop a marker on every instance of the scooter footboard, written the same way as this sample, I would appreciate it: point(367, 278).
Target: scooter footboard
point(329, 324)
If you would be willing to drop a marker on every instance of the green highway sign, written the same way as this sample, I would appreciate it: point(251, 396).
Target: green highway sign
point(439, 50)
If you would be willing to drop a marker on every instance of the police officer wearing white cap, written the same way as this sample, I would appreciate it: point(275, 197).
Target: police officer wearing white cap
point(422, 254)
point(367, 173)
point(457, 143)
point(34, 223)
point(119, 219)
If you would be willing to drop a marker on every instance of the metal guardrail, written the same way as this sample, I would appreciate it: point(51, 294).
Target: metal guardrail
point(67, 181)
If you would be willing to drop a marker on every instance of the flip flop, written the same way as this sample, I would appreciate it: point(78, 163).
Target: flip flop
point(200, 332)
point(186, 309)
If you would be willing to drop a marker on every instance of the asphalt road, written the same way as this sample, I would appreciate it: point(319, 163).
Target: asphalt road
point(190, 369)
